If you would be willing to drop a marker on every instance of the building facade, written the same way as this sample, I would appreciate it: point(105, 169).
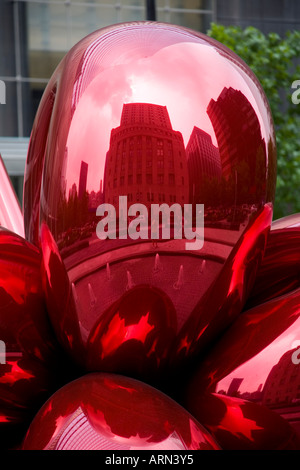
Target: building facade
point(204, 164)
point(146, 160)
point(245, 158)
point(283, 383)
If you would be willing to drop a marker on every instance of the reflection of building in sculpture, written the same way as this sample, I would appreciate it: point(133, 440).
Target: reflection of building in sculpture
point(95, 199)
point(234, 387)
point(82, 179)
point(253, 396)
point(146, 159)
point(241, 146)
point(73, 191)
point(204, 164)
point(283, 383)
point(63, 173)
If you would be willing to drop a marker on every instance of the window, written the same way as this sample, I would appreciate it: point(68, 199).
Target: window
point(171, 178)
point(149, 179)
point(160, 179)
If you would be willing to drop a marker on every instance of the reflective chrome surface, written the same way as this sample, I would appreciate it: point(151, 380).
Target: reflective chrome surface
point(239, 424)
point(31, 361)
point(279, 272)
point(258, 359)
point(157, 114)
point(288, 221)
point(103, 411)
point(11, 216)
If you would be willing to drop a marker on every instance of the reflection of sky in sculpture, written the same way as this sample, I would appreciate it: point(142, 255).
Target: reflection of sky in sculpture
point(184, 77)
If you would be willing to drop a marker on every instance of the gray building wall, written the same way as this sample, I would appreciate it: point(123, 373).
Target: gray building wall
point(267, 15)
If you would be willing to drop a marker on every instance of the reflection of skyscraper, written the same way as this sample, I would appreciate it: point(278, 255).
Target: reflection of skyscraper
point(146, 159)
point(283, 382)
point(203, 162)
point(238, 134)
point(82, 179)
point(73, 191)
point(234, 387)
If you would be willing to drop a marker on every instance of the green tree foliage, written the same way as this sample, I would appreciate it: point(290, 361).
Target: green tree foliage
point(274, 59)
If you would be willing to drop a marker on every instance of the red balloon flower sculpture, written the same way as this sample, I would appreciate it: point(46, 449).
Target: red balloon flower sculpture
point(149, 254)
